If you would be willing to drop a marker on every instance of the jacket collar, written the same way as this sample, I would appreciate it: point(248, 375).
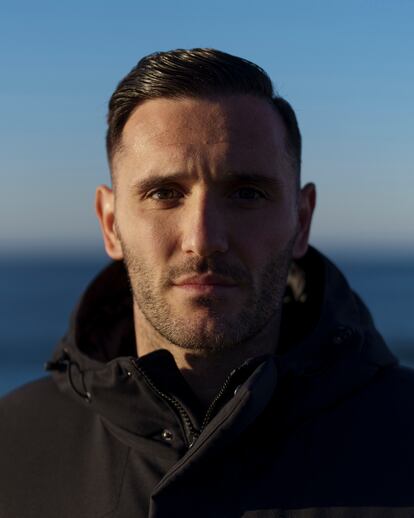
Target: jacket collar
point(329, 347)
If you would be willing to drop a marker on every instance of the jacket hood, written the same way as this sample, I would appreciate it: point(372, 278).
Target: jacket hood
point(328, 348)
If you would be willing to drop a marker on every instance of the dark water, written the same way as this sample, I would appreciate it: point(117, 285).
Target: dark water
point(38, 294)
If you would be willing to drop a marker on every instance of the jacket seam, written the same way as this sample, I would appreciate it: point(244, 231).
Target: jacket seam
point(114, 509)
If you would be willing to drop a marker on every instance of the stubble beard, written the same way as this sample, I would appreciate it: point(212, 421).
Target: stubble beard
point(216, 330)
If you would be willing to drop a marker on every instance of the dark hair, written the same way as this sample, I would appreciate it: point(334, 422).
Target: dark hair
point(195, 73)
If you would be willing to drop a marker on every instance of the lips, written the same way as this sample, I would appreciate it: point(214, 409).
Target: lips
point(205, 280)
point(206, 285)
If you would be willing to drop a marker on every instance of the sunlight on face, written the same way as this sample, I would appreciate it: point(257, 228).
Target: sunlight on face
point(206, 214)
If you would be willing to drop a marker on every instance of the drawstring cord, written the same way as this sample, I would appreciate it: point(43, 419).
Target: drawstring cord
point(65, 363)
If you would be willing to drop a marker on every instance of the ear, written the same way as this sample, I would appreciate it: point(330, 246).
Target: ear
point(306, 206)
point(105, 211)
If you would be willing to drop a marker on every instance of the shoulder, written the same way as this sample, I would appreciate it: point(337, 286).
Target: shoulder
point(34, 401)
point(37, 412)
point(397, 380)
point(395, 392)
point(390, 390)
point(30, 400)
point(28, 394)
point(383, 410)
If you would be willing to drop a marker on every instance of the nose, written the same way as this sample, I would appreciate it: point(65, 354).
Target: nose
point(204, 227)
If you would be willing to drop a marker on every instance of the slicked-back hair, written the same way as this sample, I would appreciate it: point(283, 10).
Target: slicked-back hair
point(196, 73)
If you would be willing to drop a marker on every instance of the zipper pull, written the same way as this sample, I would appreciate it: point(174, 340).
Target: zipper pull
point(191, 440)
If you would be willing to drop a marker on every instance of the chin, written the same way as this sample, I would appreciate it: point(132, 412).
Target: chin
point(205, 334)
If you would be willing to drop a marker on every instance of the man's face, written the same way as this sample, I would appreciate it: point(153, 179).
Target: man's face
point(207, 216)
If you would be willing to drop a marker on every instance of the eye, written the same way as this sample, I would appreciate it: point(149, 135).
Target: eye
point(165, 193)
point(248, 193)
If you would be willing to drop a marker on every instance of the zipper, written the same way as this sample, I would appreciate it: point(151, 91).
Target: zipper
point(222, 392)
point(214, 403)
point(191, 434)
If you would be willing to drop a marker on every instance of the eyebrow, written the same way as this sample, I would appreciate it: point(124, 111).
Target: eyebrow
point(230, 178)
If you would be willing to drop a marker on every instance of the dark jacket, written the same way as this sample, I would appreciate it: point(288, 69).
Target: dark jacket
point(323, 428)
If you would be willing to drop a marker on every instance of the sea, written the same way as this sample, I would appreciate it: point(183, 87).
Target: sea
point(38, 293)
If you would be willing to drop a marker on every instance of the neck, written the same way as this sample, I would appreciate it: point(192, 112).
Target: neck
point(205, 372)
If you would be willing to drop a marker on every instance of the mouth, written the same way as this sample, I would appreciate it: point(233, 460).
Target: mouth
point(206, 283)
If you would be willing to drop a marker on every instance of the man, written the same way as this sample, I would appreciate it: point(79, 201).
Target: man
point(219, 367)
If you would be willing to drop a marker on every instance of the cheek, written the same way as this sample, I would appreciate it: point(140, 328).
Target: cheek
point(149, 235)
point(271, 229)
point(262, 242)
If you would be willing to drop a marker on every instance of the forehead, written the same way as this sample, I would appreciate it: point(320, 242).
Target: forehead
point(240, 127)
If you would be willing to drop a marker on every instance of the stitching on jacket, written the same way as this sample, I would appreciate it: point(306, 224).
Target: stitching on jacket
point(118, 499)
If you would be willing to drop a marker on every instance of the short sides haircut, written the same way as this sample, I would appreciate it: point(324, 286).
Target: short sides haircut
point(196, 73)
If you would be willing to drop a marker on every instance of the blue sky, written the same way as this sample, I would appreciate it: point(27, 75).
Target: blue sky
point(346, 67)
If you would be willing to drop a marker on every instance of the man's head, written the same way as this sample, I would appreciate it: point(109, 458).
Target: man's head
point(196, 73)
point(206, 212)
